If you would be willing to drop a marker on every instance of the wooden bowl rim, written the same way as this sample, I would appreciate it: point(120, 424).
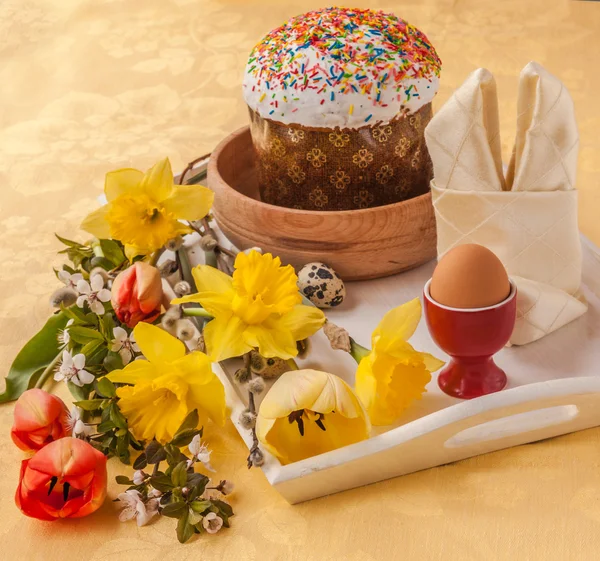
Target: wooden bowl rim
point(213, 171)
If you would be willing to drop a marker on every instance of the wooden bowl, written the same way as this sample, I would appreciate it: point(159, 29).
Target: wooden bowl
point(359, 244)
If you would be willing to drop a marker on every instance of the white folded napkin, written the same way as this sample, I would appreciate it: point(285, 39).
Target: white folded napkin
point(529, 218)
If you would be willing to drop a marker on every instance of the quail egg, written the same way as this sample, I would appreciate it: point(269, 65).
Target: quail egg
point(321, 285)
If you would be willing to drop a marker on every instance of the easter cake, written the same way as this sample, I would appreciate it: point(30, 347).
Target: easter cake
point(339, 99)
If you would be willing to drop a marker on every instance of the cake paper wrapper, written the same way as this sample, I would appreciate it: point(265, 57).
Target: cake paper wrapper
point(528, 218)
point(342, 169)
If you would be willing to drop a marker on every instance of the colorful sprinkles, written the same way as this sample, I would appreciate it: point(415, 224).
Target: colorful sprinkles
point(357, 51)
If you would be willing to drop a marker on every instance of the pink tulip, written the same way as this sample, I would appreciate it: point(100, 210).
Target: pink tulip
point(137, 294)
point(39, 418)
point(65, 479)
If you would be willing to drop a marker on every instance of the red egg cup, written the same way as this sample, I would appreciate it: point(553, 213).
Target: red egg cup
point(471, 337)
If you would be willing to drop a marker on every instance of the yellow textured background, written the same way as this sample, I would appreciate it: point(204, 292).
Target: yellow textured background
point(91, 85)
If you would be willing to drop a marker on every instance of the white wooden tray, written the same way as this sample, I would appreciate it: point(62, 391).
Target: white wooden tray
point(553, 389)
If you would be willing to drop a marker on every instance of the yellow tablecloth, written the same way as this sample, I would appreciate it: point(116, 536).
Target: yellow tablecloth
point(91, 85)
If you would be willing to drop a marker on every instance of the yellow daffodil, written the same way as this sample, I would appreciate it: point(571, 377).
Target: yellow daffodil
point(260, 307)
point(393, 374)
point(167, 386)
point(306, 413)
point(144, 209)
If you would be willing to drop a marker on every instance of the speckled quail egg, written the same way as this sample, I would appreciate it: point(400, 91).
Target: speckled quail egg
point(321, 285)
point(267, 367)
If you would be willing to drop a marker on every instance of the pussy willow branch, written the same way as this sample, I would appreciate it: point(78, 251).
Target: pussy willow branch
point(252, 409)
point(190, 167)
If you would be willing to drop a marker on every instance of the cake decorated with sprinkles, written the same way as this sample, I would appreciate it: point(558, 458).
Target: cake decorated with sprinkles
point(339, 99)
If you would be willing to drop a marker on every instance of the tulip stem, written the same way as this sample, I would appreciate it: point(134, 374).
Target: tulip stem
point(196, 312)
point(48, 371)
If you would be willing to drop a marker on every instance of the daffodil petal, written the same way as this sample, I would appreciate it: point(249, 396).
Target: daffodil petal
point(271, 342)
point(195, 365)
point(431, 363)
point(158, 181)
point(303, 321)
point(95, 223)
point(156, 344)
point(365, 384)
point(210, 279)
point(224, 338)
point(132, 251)
point(215, 303)
point(189, 202)
point(133, 373)
point(398, 324)
point(121, 181)
point(210, 397)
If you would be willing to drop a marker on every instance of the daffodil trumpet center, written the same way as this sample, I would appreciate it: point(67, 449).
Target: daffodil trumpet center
point(302, 415)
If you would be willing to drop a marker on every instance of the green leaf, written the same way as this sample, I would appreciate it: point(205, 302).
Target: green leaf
point(74, 313)
point(117, 417)
point(108, 323)
point(89, 404)
point(105, 387)
point(41, 350)
point(161, 482)
point(69, 243)
point(79, 393)
point(184, 530)
point(198, 483)
point(90, 348)
point(183, 438)
point(84, 335)
point(123, 480)
point(174, 454)
point(98, 261)
point(113, 252)
point(155, 452)
point(123, 449)
point(174, 510)
point(190, 422)
point(179, 475)
point(223, 507)
point(106, 426)
point(200, 506)
point(140, 462)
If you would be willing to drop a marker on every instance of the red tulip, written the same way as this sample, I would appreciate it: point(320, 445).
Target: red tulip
point(40, 418)
point(65, 479)
point(137, 294)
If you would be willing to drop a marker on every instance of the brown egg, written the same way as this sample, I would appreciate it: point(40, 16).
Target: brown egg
point(469, 276)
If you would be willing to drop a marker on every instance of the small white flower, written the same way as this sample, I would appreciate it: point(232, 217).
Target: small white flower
point(212, 523)
point(94, 294)
point(136, 508)
point(71, 370)
point(155, 493)
point(226, 486)
point(63, 334)
point(124, 344)
point(76, 425)
point(139, 477)
point(69, 279)
point(200, 453)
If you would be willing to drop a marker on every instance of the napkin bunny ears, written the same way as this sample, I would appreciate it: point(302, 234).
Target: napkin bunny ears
point(467, 156)
point(528, 217)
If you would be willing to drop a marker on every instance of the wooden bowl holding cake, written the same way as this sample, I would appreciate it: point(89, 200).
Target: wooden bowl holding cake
point(358, 244)
point(334, 166)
